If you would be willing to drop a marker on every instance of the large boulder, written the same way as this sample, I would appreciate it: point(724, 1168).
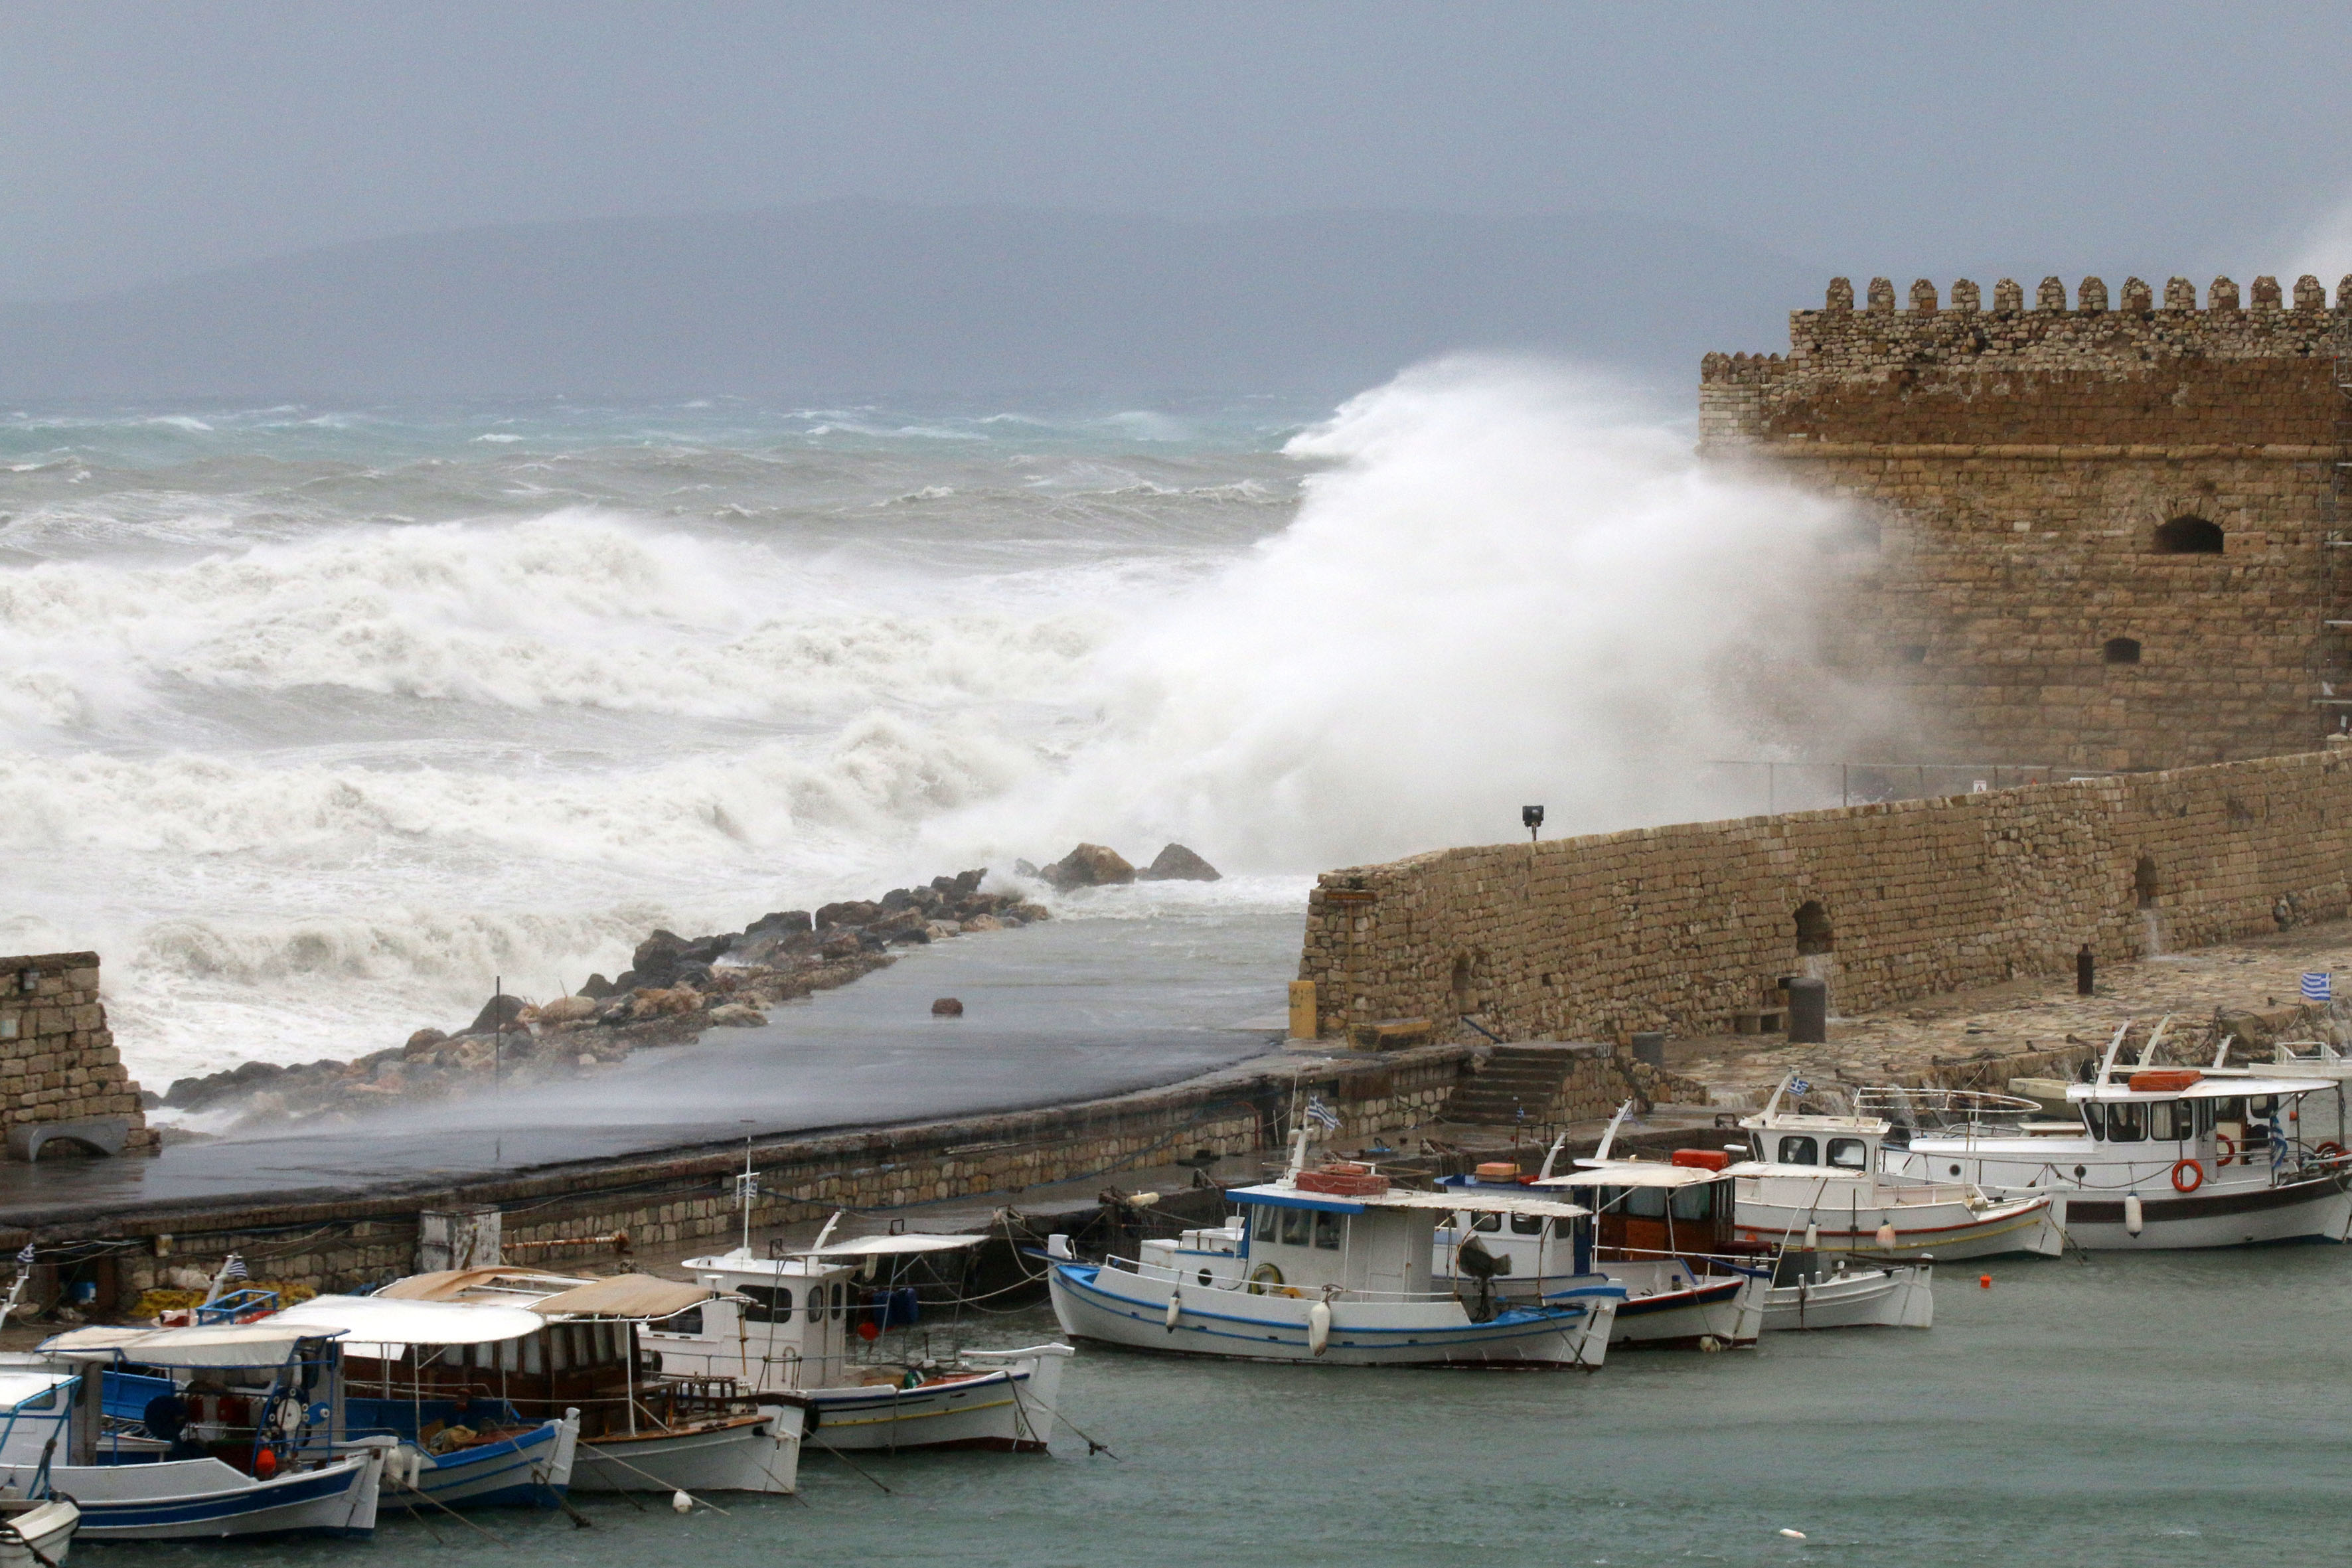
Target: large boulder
point(1178, 864)
point(500, 1011)
point(1088, 866)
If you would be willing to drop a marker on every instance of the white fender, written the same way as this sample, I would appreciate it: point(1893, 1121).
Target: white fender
point(1175, 1308)
point(1813, 1237)
point(1318, 1328)
point(2134, 1215)
point(1887, 1236)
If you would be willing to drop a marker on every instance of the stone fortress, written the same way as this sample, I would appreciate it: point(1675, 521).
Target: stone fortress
point(2106, 537)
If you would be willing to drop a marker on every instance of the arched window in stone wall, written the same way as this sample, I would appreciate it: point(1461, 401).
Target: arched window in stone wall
point(2121, 650)
point(2188, 536)
point(2143, 884)
point(1814, 933)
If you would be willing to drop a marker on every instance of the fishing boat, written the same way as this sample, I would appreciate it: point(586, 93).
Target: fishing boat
point(255, 1442)
point(2162, 1158)
point(1331, 1267)
point(1829, 1176)
point(1848, 1290)
point(37, 1533)
point(428, 1375)
point(587, 1363)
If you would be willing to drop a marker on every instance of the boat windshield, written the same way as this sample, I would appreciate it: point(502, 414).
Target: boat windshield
point(1941, 1111)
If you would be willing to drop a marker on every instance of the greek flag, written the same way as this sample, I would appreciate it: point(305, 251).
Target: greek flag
point(25, 1255)
point(235, 1268)
point(2278, 1143)
point(1798, 1085)
point(2317, 987)
point(746, 1185)
point(1322, 1115)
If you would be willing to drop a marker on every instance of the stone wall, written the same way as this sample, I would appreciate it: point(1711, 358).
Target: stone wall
point(2017, 470)
point(1682, 927)
point(663, 1201)
point(58, 1060)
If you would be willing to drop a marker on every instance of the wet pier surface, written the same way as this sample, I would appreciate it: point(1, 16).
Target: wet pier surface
point(1057, 1013)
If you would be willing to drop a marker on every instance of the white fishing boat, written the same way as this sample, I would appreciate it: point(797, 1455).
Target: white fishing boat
point(1658, 1230)
point(1828, 1175)
point(256, 1446)
point(1331, 1267)
point(636, 1432)
point(1811, 1290)
point(2162, 1158)
point(427, 1375)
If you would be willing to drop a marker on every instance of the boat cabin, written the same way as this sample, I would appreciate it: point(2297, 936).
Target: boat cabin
point(1646, 1210)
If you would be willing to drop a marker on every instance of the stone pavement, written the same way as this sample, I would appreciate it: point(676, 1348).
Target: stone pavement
point(1985, 1035)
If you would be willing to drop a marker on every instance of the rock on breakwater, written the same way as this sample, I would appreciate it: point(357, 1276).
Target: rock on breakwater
point(673, 989)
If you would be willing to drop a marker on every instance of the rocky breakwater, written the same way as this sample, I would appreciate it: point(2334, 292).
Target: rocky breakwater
point(673, 989)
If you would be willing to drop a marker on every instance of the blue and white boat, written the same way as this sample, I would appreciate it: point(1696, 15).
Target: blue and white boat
point(257, 1445)
point(1331, 1267)
point(480, 1454)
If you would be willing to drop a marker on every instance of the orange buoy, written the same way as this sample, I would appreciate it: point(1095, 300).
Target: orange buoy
point(1984, 1282)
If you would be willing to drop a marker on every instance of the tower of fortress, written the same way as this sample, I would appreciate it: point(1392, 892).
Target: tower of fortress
point(2110, 534)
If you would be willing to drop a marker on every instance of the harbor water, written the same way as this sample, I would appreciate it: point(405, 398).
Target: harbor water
point(2121, 1410)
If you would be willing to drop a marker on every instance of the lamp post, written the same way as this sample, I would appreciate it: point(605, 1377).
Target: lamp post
point(1532, 817)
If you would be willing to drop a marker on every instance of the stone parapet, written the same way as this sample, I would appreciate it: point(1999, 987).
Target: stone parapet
point(58, 1058)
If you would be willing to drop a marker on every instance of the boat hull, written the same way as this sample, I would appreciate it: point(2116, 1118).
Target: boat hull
point(1725, 1312)
point(192, 1499)
point(1901, 1297)
point(758, 1454)
point(1114, 1306)
point(45, 1533)
point(531, 1469)
point(1943, 1232)
point(2316, 1209)
point(1008, 1408)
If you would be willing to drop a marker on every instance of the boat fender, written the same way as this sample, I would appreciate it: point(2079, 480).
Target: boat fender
point(2187, 1176)
point(680, 1503)
point(2135, 1217)
point(1813, 1237)
point(1886, 1235)
point(1318, 1328)
point(1175, 1308)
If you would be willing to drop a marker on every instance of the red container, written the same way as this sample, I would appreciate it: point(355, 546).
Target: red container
point(1343, 1181)
point(1702, 1159)
point(2166, 1081)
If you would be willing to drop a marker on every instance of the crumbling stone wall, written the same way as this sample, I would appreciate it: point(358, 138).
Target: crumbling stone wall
point(58, 1060)
point(2015, 470)
point(1683, 928)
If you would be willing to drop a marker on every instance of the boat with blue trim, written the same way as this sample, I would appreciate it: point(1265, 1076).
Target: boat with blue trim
point(1331, 1267)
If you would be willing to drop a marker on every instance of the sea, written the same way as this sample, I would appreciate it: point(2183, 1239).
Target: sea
point(321, 721)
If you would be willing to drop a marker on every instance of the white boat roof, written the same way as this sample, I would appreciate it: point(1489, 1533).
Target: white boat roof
point(1796, 1173)
point(1635, 1173)
point(21, 1384)
point(891, 1246)
point(2203, 1089)
point(1478, 1200)
point(1804, 1121)
point(266, 1343)
point(800, 1266)
point(379, 1324)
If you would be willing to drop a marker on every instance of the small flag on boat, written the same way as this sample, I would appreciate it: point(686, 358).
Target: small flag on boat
point(1322, 1115)
point(235, 1268)
point(746, 1185)
point(1798, 1085)
point(2317, 987)
point(25, 1255)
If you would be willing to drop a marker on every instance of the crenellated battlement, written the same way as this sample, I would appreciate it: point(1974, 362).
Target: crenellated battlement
point(1842, 342)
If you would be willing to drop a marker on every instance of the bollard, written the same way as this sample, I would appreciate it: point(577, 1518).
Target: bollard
point(1809, 1012)
point(1650, 1046)
point(2085, 971)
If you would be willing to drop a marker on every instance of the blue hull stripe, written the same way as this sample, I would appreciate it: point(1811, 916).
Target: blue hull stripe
point(97, 1517)
point(1502, 1329)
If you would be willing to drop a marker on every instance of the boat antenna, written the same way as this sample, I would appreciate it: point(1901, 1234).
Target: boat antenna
point(1610, 1137)
point(2107, 1062)
point(749, 1188)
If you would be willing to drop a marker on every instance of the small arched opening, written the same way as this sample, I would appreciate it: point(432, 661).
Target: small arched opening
point(1461, 983)
point(1814, 933)
point(2121, 650)
point(2188, 536)
point(2143, 883)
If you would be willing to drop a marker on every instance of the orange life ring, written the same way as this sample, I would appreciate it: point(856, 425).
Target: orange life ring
point(2331, 1150)
point(2225, 1149)
point(2187, 1176)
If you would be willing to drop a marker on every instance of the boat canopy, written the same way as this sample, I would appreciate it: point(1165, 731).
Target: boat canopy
point(2205, 1088)
point(623, 1296)
point(20, 1386)
point(1477, 1200)
point(518, 1285)
point(1636, 1173)
point(1811, 1121)
point(386, 1328)
point(267, 1343)
point(891, 1246)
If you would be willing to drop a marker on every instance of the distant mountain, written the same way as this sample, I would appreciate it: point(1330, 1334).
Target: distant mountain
point(856, 296)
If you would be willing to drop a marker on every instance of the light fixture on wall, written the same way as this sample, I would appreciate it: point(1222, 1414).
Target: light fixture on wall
point(1532, 817)
point(28, 981)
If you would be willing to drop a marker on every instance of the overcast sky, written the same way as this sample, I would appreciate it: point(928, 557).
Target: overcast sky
point(140, 141)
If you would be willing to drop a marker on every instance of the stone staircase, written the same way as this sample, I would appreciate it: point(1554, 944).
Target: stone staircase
point(1515, 1078)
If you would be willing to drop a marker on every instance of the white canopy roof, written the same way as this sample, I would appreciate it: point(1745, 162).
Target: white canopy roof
point(387, 1325)
point(1477, 1200)
point(18, 1384)
point(1635, 1173)
point(266, 1343)
point(2203, 1089)
point(892, 1246)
